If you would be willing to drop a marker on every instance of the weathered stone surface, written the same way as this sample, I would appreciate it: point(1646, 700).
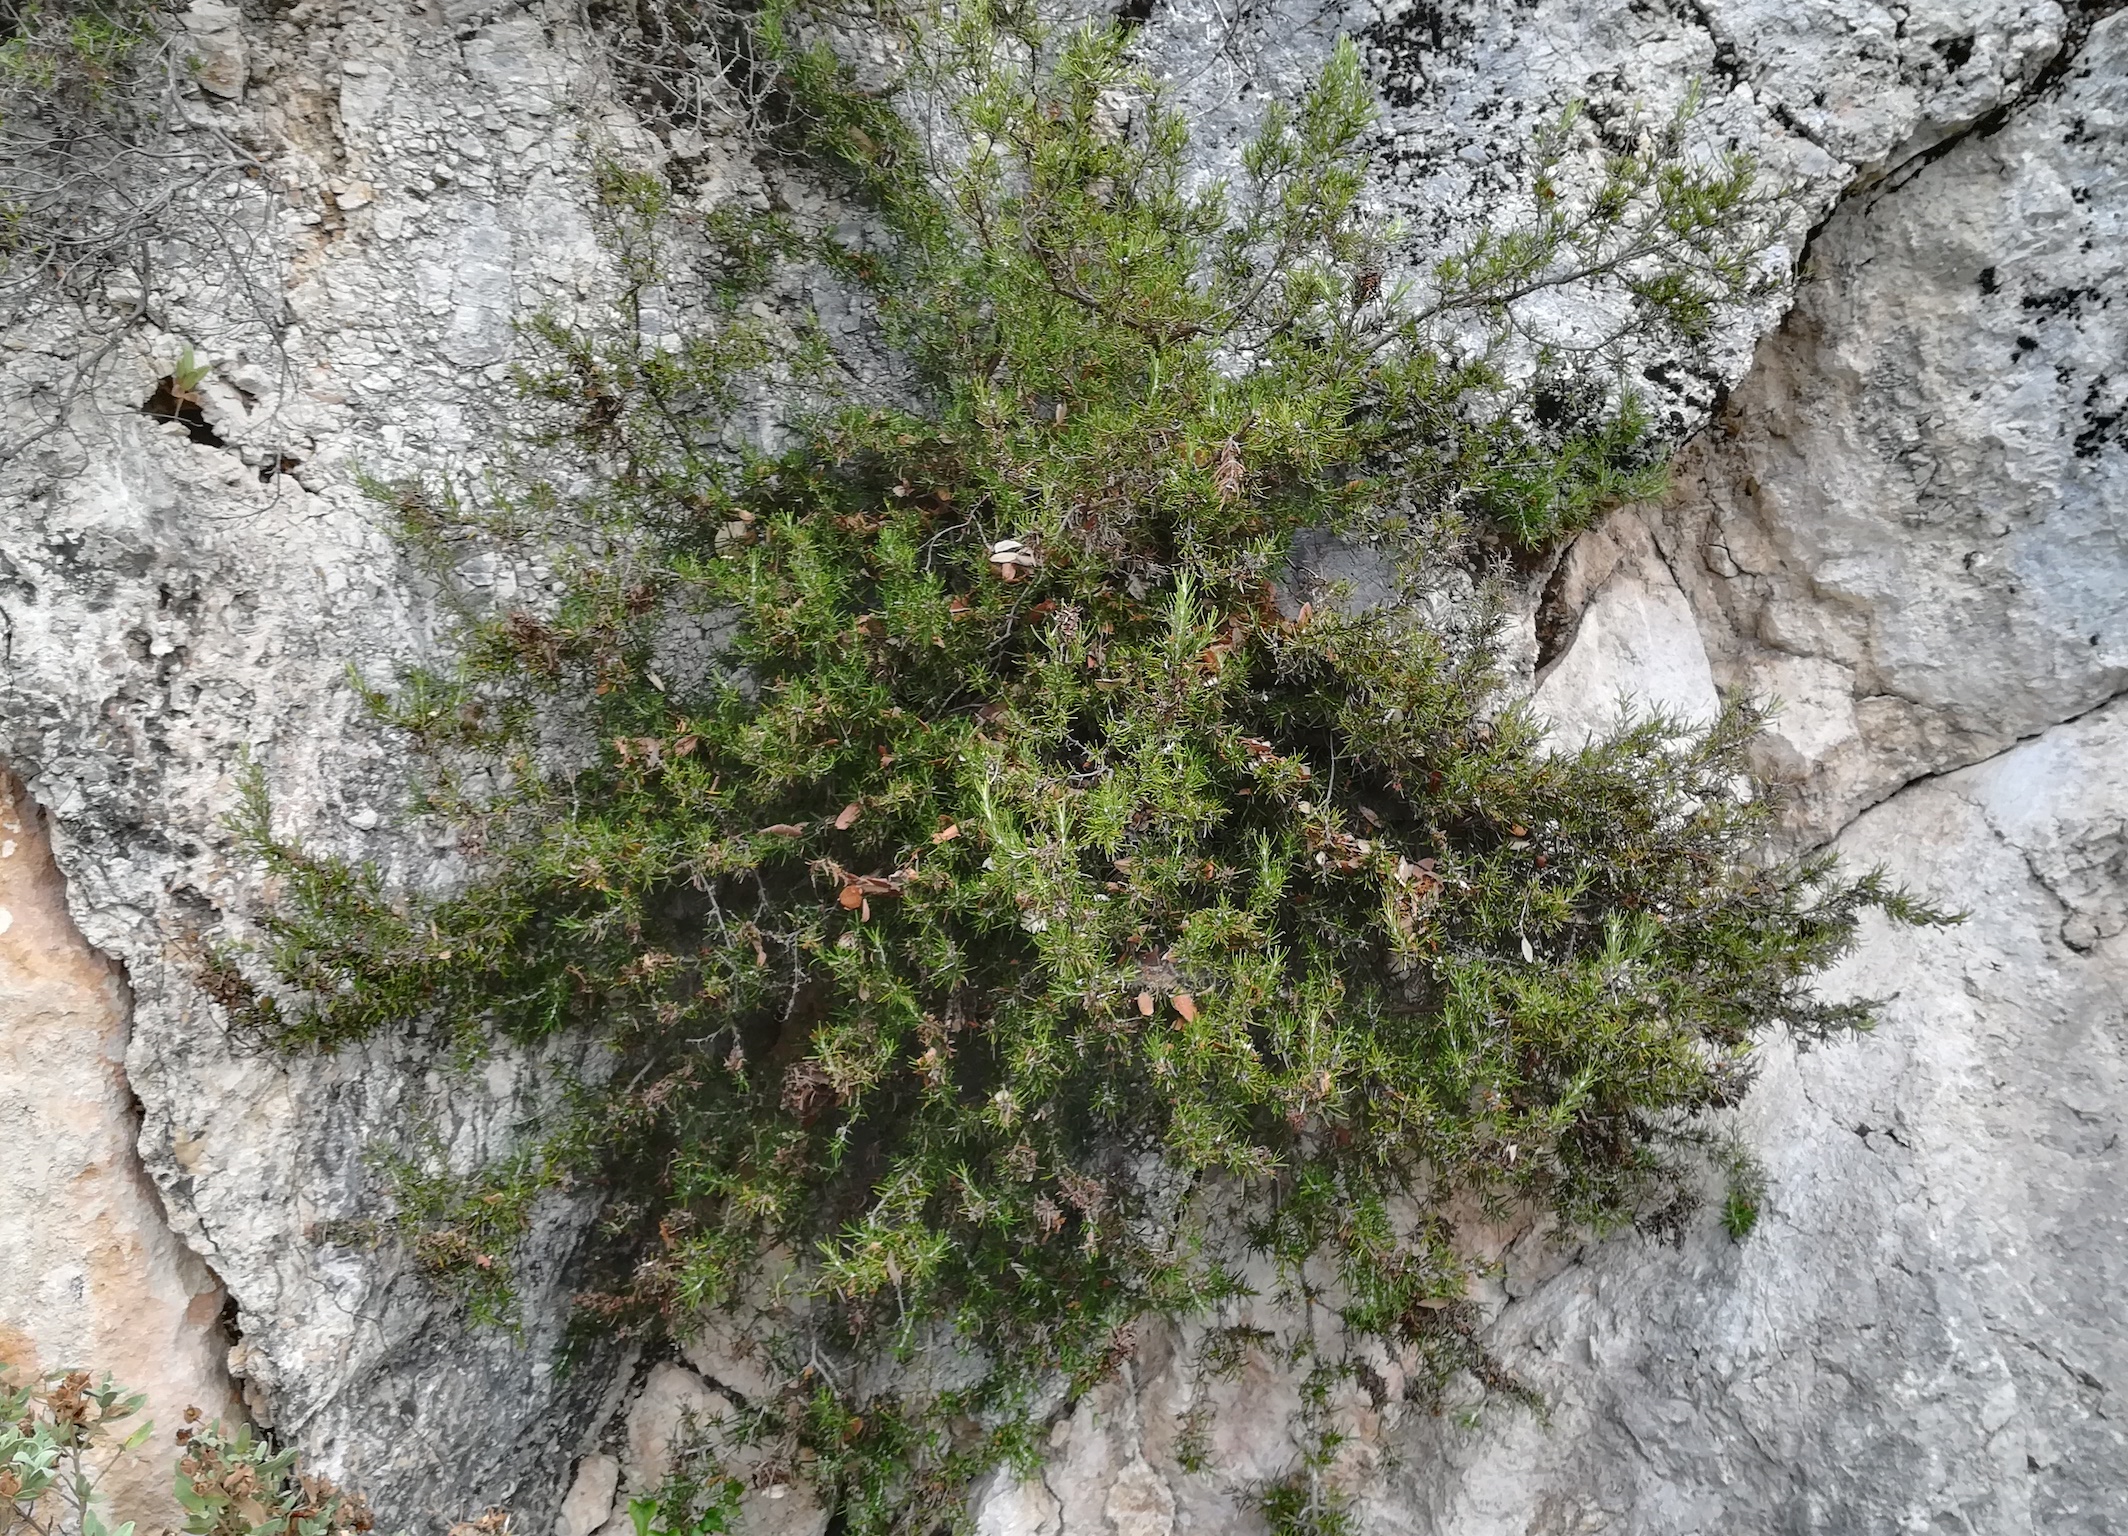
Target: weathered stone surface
point(91, 1276)
point(1820, 95)
point(214, 48)
point(1633, 647)
point(175, 602)
point(589, 1503)
point(158, 675)
point(672, 1415)
point(1909, 528)
point(1922, 1332)
point(1910, 523)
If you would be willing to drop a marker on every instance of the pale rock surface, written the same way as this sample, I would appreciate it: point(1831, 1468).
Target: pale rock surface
point(214, 49)
point(1820, 94)
point(1139, 1502)
point(673, 1416)
point(1923, 1331)
point(91, 1277)
point(173, 605)
point(1634, 648)
point(674, 1406)
point(1910, 525)
point(1917, 1337)
point(589, 1502)
point(1006, 1505)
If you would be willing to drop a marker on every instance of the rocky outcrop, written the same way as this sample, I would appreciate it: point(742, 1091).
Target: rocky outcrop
point(90, 1272)
point(1906, 523)
point(1906, 526)
point(184, 597)
point(1920, 1333)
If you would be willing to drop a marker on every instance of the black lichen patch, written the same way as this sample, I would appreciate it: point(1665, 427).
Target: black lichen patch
point(2103, 420)
point(1407, 49)
point(2065, 301)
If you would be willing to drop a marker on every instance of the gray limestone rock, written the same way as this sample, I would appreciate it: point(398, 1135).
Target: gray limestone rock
point(178, 601)
point(1922, 1331)
point(1907, 523)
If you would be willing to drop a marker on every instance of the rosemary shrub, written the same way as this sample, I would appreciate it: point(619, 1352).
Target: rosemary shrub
point(1032, 908)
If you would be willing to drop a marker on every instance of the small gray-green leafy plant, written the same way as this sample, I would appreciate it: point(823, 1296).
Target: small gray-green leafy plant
point(238, 1485)
point(61, 1433)
point(1035, 900)
point(58, 1436)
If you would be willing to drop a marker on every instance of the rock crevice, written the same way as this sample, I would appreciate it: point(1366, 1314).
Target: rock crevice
point(91, 1274)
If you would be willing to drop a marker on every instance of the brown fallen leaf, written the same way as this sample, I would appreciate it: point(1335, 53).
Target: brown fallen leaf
point(851, 898)
point(872, 885)
point(1145, 1004)
point(947, 833)
point(1185, 1005)
point(849, 815)
point(1227, 477)
point(785, 829)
